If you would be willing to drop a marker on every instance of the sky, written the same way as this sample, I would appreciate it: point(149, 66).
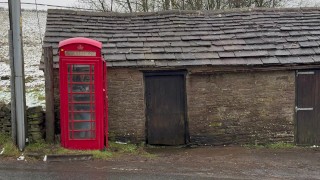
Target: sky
point(3, 3)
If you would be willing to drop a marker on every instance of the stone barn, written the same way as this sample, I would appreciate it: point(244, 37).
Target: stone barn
point(214, 78)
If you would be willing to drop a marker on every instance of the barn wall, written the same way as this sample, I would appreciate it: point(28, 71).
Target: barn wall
point(126, 104)
point(238, 108)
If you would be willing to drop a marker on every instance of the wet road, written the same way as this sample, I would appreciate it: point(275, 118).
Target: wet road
point(85, 170)
point(177, 163)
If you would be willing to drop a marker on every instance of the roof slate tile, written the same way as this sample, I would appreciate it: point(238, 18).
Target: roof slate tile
point(212, 55)
point(289, 60)
point(251, 53)
point(296, 39)
point(317, 50)
point(129, 44)
point(233, 61)
point(188, 38)
point(270, 60)
point(194, 49)
point(185, 56)
point(309, 44)
point(160, 56)
point(210, 37)
point(146, 63)
point(306, 59)
point(157, 50)
point(316, 58)
point(135, 57)
point(118, 40)
point(115, 57)
point(156, 44)
point(296, 52)
point(124, 63)
point(253, 61)
point(279, 53)
point(181, 43)
point(173, 49)
point(226, 54)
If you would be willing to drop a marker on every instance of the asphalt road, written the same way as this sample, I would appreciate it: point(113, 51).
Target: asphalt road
point(179, 163)
point(85, 170)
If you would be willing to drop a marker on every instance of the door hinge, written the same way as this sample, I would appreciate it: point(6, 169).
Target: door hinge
point(305, 73)
point(303, 109)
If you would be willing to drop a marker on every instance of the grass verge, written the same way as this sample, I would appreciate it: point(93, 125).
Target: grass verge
point(6, 144)
point(42, 148)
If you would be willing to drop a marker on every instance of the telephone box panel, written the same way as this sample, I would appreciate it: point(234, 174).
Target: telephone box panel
point(83, 95)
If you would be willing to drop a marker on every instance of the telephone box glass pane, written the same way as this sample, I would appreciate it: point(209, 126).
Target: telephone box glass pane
point(81, 68)
point(93, 125)
point(82, 135)
point(81, 88)
point(82, 116)
point(80, 78)
point(80, 98)
point(82, 107)
point(82, 126)
point(93, 134)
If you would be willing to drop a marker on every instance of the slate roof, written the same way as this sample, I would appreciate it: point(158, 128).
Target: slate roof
point(258, 37)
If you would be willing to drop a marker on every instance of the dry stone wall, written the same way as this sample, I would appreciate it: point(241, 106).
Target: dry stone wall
point(35, 122)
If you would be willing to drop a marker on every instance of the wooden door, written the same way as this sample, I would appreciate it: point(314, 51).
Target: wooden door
point(165, 108)
point(308, 107)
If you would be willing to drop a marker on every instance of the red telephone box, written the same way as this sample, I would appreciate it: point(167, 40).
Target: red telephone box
point(83, 90)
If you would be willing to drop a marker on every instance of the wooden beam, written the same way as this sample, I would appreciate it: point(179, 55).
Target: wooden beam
point(48, 74)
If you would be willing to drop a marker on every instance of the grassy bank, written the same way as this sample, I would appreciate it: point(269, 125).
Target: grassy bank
point(41, 148)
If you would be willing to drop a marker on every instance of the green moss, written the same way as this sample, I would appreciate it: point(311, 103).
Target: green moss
point(4, 138)
point(215, 124)
point(101, 154)
point(41, 98)
point(123, 148)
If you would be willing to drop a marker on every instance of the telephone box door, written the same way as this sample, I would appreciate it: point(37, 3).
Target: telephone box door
point(84, 125)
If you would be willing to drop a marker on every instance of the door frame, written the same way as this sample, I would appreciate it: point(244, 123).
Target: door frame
point(182, 73)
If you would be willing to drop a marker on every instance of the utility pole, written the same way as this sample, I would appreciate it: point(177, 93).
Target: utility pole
point(18, 100)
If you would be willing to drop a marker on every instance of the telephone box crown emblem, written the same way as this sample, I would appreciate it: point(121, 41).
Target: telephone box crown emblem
point(80, 47)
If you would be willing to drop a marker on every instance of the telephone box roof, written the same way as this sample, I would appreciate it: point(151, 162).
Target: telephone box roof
point(80, 40)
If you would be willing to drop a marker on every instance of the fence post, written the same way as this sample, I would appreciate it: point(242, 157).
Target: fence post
point(48, 74)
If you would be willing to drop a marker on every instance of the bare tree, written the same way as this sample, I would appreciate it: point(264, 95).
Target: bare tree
point(99, 5)
point(160, 5)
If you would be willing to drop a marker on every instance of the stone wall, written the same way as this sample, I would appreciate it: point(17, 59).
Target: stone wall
point(126, 104)
point(35, 122)
point(237, 108)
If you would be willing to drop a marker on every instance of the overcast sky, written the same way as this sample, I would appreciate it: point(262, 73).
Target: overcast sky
point(72, 3)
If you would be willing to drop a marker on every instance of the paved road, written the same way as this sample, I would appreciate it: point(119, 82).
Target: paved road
point(174, 163)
